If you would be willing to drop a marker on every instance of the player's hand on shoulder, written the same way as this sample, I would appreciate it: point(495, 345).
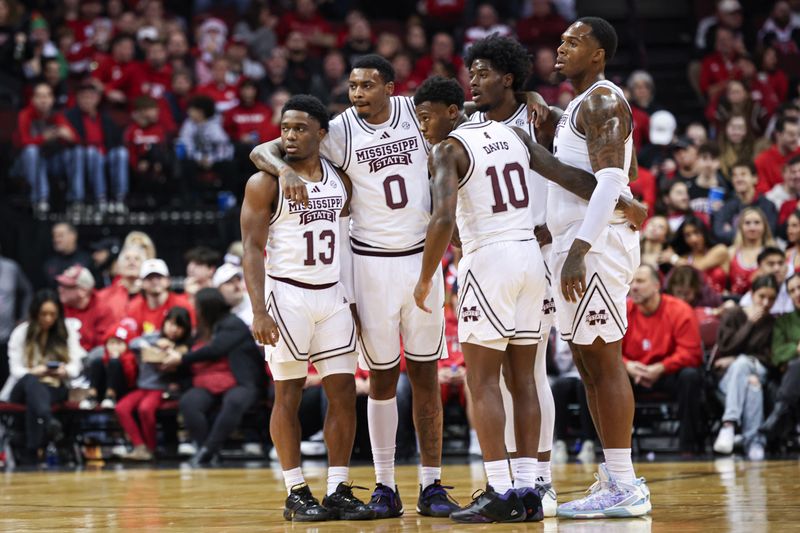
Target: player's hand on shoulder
point(293, 187)
point(265, 330)
point(538, 110)
point(421, 292)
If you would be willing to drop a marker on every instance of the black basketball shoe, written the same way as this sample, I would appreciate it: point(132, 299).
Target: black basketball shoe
point(386, 502)
point(488, 506)
point(302, 506)
point(532, 502)
point(343, 505)
point(435, 501)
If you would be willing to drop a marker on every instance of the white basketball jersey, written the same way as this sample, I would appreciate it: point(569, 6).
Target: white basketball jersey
point(303, 243)
point(388, 167)
point(493, 196)
point(565, 210)
point(537, 184)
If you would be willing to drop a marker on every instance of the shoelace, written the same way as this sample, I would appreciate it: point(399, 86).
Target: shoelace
point(437, 489)
point(477, 494)
point(349, 497)
point(380, 494)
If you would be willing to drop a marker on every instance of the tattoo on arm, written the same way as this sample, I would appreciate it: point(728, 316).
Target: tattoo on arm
point(268, 157)
point(605, 120)
point(444, 169)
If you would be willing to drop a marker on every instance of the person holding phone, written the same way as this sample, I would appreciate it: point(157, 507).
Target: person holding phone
point(44, 354)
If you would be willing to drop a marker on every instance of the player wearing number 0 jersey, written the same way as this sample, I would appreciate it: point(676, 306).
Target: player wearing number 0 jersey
point(301, 310)
point(378, 143)
point(492, 61)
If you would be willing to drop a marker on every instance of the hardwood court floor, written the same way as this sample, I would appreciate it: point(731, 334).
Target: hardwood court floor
point(692, 496)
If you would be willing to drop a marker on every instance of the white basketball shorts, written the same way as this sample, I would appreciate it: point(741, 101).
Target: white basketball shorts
point(501, 288)
point(601, 312)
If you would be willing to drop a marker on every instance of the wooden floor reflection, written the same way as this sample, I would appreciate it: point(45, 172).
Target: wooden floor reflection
point(725, 495)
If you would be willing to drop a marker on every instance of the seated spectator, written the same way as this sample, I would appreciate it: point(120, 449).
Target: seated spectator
point(258, 30)
point(771, 162)
point(306, 20)
point(388, 45)
point(247, 124)
point(405, 80)
point(205, 142)
point(110, 68)
point(752, 236)
point(125, 283)
point(220, 89)
point(227, 370)
point(229, 281)
point(80, 301)
point(42, 135)
point(719, 66)
point(416, 41)
point(358, 42)
point(151, 383)
point(178, 95)
point(487, 23)
point(738, 99)
point(179, 55)
point(675, 204)
point(785, 343)
point(743, 359)
point(693, 245)
point(728, 15)
point(543, 28)
point(66, 253)
point(146, 142)
point(150, 307)
point(644, 189)
point(641, 88)
point(689, 284)
point(661, 135)
point(736, 144)
point(333, 86)
point(709, 190)
point(44, 353)
point(793, 243)
point(662, 352)
point(775, 77)
point(240, 66)
point(143, 241)
point(544, 78)
point(201, 263)
point(442, 49)
point(685, 154)
point(114, 374)
point(697, 132)
point(568, 389)
point(780, 29)
point(302, 67)
point(99, 143)
point(772, 262)
point(277, 77)
point(763, 96)
point(745, 196)
point(210, 39)
point(655, 240)
point(785, 195)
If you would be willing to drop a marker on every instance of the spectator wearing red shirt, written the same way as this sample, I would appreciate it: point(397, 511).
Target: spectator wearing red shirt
point(150, 307)
point(307, 21)
point(146, 141)
point(772, 75)
point(543, 28)
point(405, 81)
point(126, 284)
point(42, 136)
point(442, 49)
point(544, 79)
point(785, 195)
point(111, 67)
point(770, 162)
point(487, 22)
point(77, 295)
point(218, 89)
point(99, 143)
point(113, 374)
point(662, 352)
point(248, 124)
point(719, 67)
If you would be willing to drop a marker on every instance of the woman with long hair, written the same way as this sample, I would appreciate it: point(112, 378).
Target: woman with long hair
point(655, 240)
point(44, 353)
point(693, 245)
point(736, 143)
point(227, 369)
point(793, 247)
point(743, 359)
point(689, 284)
point(752, 235)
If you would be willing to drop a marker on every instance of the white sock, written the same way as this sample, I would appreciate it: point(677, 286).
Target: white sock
point(473, 436)
point(543, 476)
point(524, 472)
point(336, 475)
point(514, 461)
point(619, 464)
point(293, 477)
point(498, 475)
point(382, 419)
point(429, 474)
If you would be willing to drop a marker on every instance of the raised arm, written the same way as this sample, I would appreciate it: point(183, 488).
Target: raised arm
point(444, 166)
point(259, 195)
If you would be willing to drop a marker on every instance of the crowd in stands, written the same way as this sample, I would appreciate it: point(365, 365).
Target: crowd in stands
point(158, 98)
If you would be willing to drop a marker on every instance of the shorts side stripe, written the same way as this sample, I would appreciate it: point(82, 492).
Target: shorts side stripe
point(435, 356)
point(595, 285)
point(335, 352)
point(272, 305)
point(497, 324)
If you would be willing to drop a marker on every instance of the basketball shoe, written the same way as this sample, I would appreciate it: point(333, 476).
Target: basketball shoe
point(609, 498)
point(435, 501)
point(302, 506)
point(488, 506)
point(343, 505)
point(549, 499)
point(532, 502)
point(386, 502)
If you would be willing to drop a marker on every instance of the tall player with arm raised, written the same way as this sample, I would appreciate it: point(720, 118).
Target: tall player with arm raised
point(301, 311)
point(378, 144)
point(595, 254)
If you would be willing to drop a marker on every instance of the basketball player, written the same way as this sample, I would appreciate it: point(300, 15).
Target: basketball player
point(595, 253)
point(377, 142)
point(498, 67)
point(305, 316)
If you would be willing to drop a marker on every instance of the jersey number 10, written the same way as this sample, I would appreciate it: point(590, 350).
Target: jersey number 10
point(500, 205)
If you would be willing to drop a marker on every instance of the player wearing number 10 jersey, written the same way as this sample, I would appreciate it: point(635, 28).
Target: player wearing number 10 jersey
point(378, 144)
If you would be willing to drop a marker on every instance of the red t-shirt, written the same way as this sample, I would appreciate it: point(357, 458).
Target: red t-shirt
point(424, 65)
point(31, 125)
point(769, 165)
point(140, 78)
point(116, 298)
point(96, 319)
point(93, 129)
point(670, 336)
point(150, 320)
point(253, 120)
point(108, 70)
point(715, 69)
point(225, 95)
point(139, 140)
point(291, 21)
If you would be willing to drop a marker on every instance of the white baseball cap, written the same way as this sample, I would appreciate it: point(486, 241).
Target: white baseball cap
point(225, 273)
point(153, 266)
point(729, 6)
point(662, 127)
